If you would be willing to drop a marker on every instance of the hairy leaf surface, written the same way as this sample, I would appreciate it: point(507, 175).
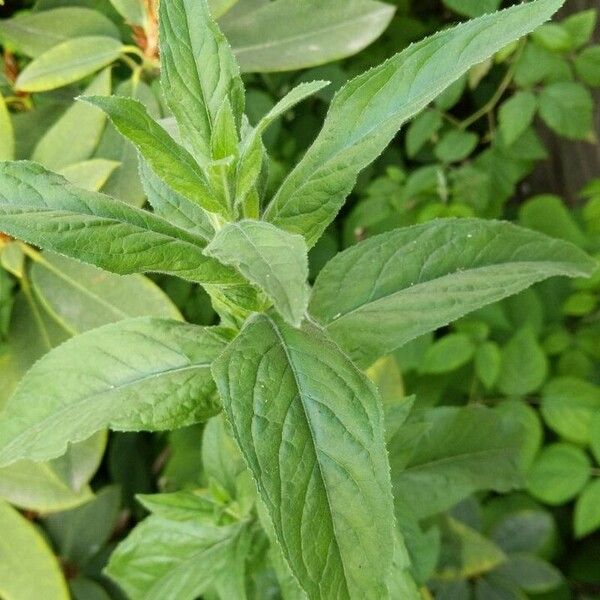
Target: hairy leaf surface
point(381, 293)
point(199, 72)
point(138, 374)
point(310, 427)
point(272, 259)
point(368, 111)
point(44, 209)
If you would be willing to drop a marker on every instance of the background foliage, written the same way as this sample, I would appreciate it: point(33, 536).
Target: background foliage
point(500, 503)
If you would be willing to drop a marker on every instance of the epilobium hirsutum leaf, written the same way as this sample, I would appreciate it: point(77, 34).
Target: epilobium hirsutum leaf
point(310, 427)
point(274, 260)
point(368, 111)
point(198, 71)
point(44, 209)
point(394, 287)
point(138, 374)
point(170, 161)
point(164, 559)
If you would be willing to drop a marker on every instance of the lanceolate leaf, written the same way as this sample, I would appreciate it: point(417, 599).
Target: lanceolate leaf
point(44, 209)
point(287, 34)
point(392, 288)
point(172, 163)
point(138, 374)
point(68, 62)
point(368, 111)
point(199, 72)
point(310, 427)
point(272, 259)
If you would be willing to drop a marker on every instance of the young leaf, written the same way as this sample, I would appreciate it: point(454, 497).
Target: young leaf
point(310, 427)
point(28, 569)
point(76, 134)
point(138, 374)
point(272, 259)
point(175, 560)
point(568, 109)
point(68, 62)
point(392, 288)
point(516, 115)
point(368, 111)
point(172, 206)
point(171, 162)
point(44, 209)
point(199, 73)
point(288, 35)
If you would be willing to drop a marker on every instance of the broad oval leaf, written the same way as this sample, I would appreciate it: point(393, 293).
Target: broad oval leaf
point(137, 374)
point(68, 62)
point(28, 569)
point(272, 259)
point(44, 209)
point(288, 35)
point(368, 111)
point(33, 33)
point(199, 73)
point(81, 297)
point(391, 288)
point(310, 427)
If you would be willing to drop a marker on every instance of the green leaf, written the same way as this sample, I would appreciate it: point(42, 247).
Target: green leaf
point(171, 162)
point(376, 296)
point(7, 134)
point(559, 473)
point(59, 484)
point(310, 427)
point(581, 26)
point(568, 406)
point(68, 62)
point(28, 569)
point(447, 354)
point(516, 115)
point(131, 10)
point(76, 134)
point(461, 451)
point(456, 145)
point(488, 360)
point(289, 35)
point(529, 530)
point(173, 207)
point(421, 130)
point(530, 573)
point(42, 208)
point(553, 37)
point(89, 174)
point(81, 297)
point(368, 111)
point(548, 214)
point(79, 533)
point(567, 108)
point(175, 560)
point(587, 510)
point(199, 73)
point(272, 259)
point(524, 366)
point(137, 374)
point(33, 33)
point(587, 65)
